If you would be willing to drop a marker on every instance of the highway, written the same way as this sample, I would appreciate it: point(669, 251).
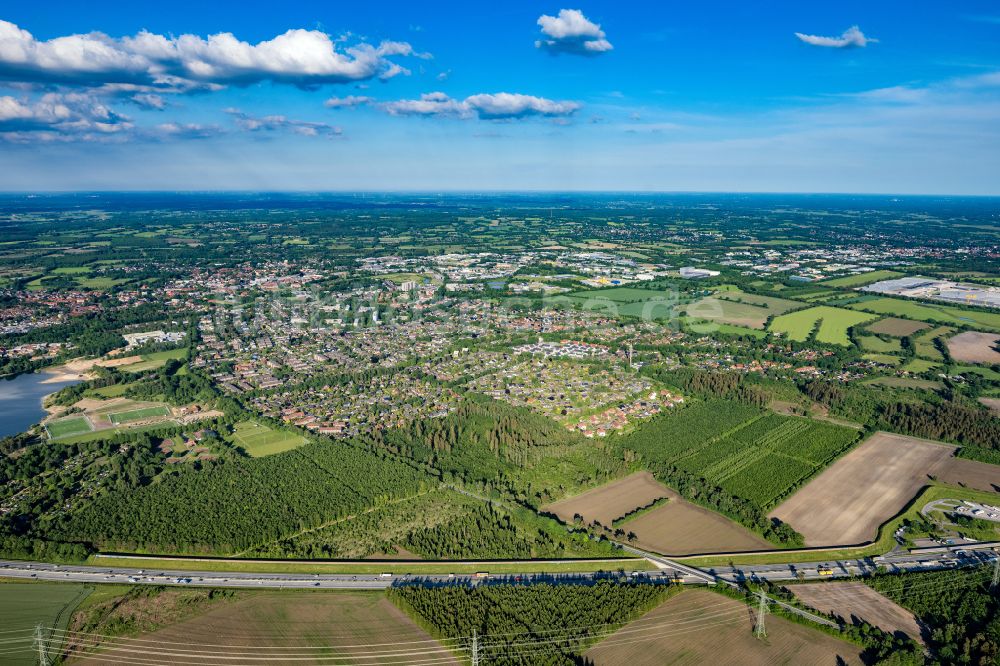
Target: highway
point(666, 570)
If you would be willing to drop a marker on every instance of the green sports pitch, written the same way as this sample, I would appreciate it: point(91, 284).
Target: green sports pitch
point(259, 440)
point(73, 425)
point(119, 418)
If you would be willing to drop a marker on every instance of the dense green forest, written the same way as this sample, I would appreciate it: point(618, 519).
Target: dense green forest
point(529, 625)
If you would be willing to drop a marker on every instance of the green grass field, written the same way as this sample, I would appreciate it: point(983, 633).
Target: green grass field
point(259, 440)
point(942, 314)
point(25, 605)
point(862, 279)
point(833, 329)
point(155, 360)
point(887, 359)
point(621, 294)
point(875, 344)
point(131, 415)
point(71, 425)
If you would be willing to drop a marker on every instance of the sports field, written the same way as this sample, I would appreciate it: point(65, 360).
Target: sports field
point(943, 314)
point(702, 627)
point(132, 415)
point(259, 440)
point(834, 323)
point(25, 605)
point(71, 425)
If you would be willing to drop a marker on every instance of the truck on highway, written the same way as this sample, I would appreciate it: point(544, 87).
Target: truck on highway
point(824, 571)
point(481, 574)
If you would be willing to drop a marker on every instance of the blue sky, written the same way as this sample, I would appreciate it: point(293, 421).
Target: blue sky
point(723, 96)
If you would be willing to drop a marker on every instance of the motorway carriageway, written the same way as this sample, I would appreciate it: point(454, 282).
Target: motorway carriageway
point(668, 570)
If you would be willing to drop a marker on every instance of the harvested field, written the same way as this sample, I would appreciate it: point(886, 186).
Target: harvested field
point(701, 627)
point(900, 328)
point(612, 500)
point(847, 502)
point(974, 347)
point(851, 599)
point(682, 528)
point(772, 303)
point(972, 474)
point(325, 623)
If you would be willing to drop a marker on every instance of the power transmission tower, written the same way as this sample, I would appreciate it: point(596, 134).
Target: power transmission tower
point(996, 571)
point(475, 648)
point(43, 655)
point(759, 630)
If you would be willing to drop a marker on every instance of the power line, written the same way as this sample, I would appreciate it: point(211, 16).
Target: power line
point(759, 630)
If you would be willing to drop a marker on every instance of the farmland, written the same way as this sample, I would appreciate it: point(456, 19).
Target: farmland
point(897, 327)
point(833, 324)
point(718, 630)
point(764, 458)
point(259, 440)
point(773, 304)
point(942, 314)
point(850, 599)
point(974, 347)
point(679, 527)
point(846, 503)
point(860, 280)
point(25, 605)
point(729, 312)
point(612, 500)
point(343, 623)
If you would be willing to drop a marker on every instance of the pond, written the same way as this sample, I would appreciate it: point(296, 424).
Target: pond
point(21, 400)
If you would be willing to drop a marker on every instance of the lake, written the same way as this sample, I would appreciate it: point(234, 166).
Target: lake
point(21, 401)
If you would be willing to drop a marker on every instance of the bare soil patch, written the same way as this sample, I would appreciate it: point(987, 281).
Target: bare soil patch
point(993, 404)
point(326, 624)
point(699, 627)
point(974, 347)
point(682, 528)
point(897, 327)
point(847, 502)
point(972, 474)
point(851, 599)
point(612, 500)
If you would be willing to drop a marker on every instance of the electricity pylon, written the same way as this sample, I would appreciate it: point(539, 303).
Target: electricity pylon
point(43, 654)
point(759, 630)
point(475, 648)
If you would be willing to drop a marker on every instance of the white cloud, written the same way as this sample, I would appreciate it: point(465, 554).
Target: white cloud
point(274, 123)
point(348, 102)
point(59, 116)
point(300, 57)
point(572, 32)
point(850, 38)
point(496, 106)
point(185, 131)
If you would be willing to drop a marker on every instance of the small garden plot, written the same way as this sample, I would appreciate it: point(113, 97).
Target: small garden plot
point(67, 427)
point(133, 415)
